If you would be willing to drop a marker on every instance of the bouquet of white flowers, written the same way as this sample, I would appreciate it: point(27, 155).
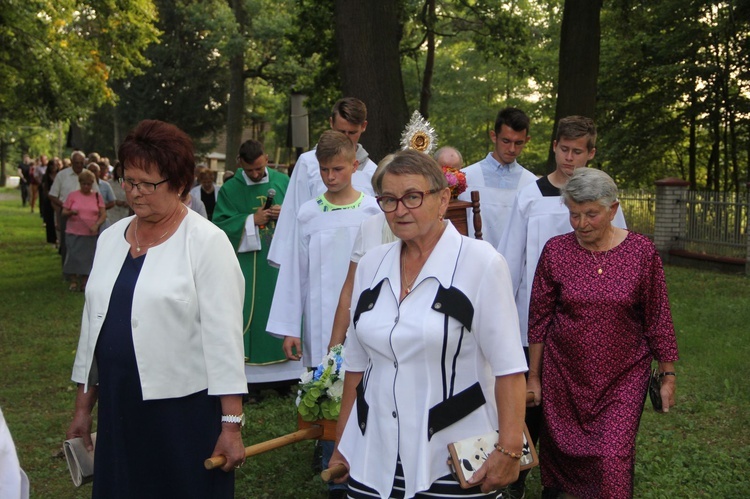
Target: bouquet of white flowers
point(320, 390)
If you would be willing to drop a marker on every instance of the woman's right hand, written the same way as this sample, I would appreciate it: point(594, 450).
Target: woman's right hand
point(81, 427)
point(534, 385)
point(336, 459)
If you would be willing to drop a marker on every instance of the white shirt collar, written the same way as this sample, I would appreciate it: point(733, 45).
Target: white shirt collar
point(498, 164)
point(264, 180)
point(440, 265)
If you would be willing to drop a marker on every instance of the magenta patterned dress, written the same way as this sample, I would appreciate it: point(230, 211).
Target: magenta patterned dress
point(600, 333)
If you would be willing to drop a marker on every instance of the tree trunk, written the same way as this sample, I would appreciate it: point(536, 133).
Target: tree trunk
point(578, 63)
point(429, 66)
point(368, 33)
point(236, 103)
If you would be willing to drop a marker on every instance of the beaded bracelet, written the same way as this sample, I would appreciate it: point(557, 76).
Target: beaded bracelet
point(508, 453)
point(667, 373)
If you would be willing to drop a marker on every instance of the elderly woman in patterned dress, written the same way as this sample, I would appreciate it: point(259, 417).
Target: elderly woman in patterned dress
point(599, 314)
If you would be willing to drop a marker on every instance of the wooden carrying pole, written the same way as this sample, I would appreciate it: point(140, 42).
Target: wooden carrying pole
point(253, 450)
point(334, 472)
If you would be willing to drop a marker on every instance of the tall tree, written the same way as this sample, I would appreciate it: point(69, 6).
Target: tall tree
point(185, 82)
point(236, 108)
point(578, 63)
point(368, 34)
point(259, 51)
point(58, 59)
point(674, 92)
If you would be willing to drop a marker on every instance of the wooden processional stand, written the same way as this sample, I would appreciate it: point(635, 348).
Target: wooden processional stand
point(325, 429)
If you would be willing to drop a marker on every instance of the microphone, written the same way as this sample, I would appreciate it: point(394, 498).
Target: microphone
point(269, 202)
point(269, 198)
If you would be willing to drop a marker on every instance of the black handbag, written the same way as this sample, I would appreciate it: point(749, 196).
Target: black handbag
point(654, 390)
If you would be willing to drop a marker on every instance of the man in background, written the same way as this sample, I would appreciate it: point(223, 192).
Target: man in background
point(498, 177)
point(241, 212)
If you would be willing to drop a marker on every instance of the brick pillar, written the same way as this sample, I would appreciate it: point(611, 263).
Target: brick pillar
point(670, 217)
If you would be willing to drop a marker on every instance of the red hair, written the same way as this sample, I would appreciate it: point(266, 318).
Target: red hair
point(154, 143)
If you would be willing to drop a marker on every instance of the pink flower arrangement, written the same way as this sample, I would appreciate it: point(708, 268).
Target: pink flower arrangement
point(456, 180)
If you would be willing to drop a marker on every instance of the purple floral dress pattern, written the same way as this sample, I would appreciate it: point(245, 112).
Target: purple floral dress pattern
point(600, 333)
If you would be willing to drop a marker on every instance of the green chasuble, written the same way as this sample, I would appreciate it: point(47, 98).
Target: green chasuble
point(237, 201)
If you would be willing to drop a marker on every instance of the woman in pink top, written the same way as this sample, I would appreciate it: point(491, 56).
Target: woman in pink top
point(86, 213)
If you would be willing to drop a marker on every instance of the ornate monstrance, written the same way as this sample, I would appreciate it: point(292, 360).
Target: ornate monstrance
point(419, 135)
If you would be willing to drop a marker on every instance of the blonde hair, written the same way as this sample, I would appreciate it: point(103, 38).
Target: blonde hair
point(332, 144)
point(87, 175)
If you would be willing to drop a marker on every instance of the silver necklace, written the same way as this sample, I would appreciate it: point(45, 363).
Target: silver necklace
point(600, 270)
point(138, 244)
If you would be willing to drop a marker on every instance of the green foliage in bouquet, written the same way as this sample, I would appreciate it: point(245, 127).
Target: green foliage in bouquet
point(320, 390)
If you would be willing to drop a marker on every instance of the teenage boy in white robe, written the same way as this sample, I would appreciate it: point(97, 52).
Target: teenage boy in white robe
point(348, 116)
point(499, 177)
point(538, 215)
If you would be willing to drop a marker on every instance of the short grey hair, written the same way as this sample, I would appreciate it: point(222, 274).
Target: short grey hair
point(412, 162)
point(377, 177)
point(590, 184)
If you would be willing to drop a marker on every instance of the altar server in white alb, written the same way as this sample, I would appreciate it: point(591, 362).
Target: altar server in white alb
point(499, 177)
point(308, 286)
point(434, 355)
point(348, 116)
point(538, 215)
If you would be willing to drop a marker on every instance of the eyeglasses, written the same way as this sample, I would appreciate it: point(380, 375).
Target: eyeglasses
point(410, 200)
point(145, 188)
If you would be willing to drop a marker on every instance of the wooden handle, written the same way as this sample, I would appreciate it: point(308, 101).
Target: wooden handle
point(253, 450)
point(477, 218)
point(335, 472)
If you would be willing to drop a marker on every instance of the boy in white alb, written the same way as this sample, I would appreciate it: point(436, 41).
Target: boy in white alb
point(307, 289)
point(348, 116)
point(310, 282)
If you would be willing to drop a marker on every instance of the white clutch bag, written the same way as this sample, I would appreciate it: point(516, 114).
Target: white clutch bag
point(468, 455)
point(80, 460)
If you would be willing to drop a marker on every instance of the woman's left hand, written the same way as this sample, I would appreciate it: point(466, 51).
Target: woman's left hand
point(230, 446)
point(498, 471)
point(668, 387)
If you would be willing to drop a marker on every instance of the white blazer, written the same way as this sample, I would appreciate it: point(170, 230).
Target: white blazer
point(186, 316)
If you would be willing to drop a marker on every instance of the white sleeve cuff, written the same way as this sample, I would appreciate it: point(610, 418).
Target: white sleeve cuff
point(250, 238)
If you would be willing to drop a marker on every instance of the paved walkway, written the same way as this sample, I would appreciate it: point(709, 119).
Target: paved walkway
point(6, 195)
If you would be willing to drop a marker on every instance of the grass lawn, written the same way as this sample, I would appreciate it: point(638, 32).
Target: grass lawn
point(700, 449)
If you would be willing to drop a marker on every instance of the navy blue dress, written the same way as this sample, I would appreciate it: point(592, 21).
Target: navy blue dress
point(153, 448)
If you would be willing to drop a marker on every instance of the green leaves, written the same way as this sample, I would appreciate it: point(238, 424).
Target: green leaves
point(58, 58)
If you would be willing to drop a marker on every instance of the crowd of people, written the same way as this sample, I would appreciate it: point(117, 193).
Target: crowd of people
point(196, 293)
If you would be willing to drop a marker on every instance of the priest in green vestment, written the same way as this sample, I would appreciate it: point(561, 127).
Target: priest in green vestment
point(240, 213)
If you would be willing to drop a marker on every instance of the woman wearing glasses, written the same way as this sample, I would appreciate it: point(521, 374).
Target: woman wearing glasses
point(161, 340)
point(434, 354)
